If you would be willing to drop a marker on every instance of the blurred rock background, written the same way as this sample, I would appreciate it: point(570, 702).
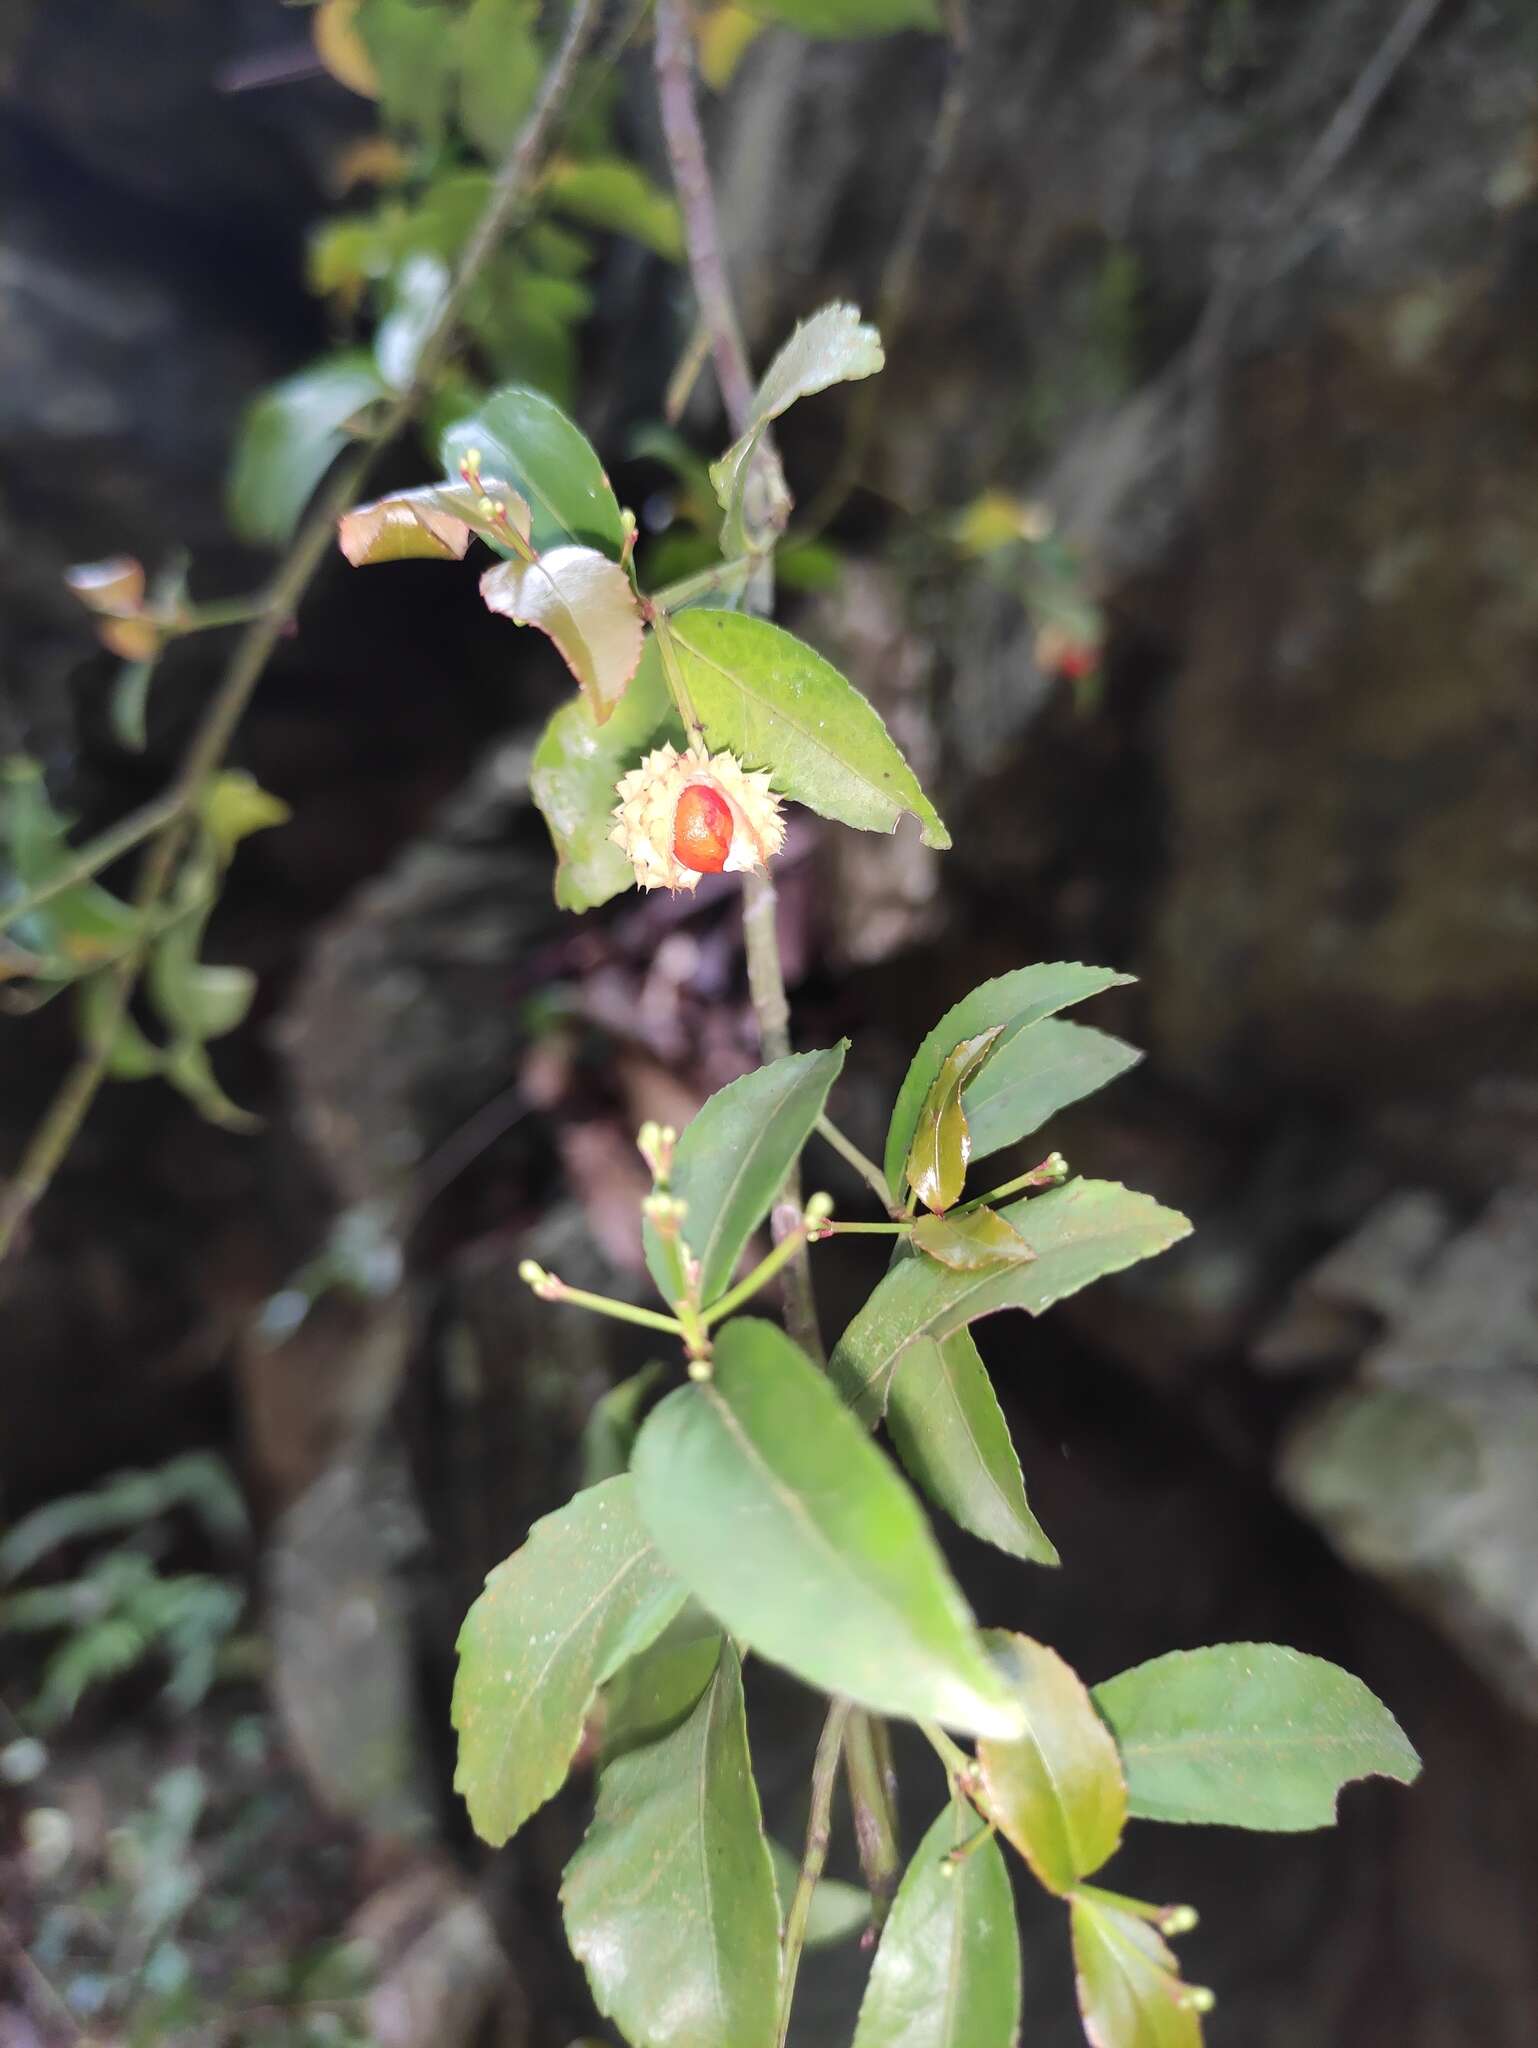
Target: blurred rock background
point(1242, 291)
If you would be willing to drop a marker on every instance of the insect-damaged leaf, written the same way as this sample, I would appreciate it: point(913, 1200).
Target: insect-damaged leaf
point(776, 704)
point(947, 1972)
point(936, 1166)
point(789, 1524)
point(670, 1903)
point(557, 1618)
point(1249, 1735)
point(586, 605)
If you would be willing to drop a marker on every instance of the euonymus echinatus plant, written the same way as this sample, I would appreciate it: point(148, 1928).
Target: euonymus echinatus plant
point(741, 1504)
point(751, 1499)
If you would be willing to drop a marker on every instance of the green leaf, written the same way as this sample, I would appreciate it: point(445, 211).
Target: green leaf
point(1016, 1001)
point(128, 707)
point(186, 1065)
point(557, 1618)
point(947, 1972)
point(1057, 1793)
point(1079, 1233)
point(1249, 1735)
point(290, 437)
point(610, 1429)
point(968, 1243)
point(833, 347)
point(77, 929)
point(837, 1910)
point(777, 704)
point(529, 443)
point(833, 18)
point(1130, 1993)
point(733, 1157)
point(413, 57)
point(416, 299)
point(572, 777)
point(936, 1166)
point(131, 1056)
point(613, 194)
point(947, 1427)
point(499, 71)
point(654, 1691)
point(786, 1521)
point(1036, 1073)
point(669, 1902)
point(586, 605)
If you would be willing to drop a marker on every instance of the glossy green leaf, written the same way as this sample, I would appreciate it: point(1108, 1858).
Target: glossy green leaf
point(528, 442)
point(669, 1902)
point(833, 347)
point(837, 1911)
point(414, 64)
point(1036, 1073)
point(557, 1618)
point(733, 1156)
point(1016, 1001)
point(947, 1971)
point(785, 1520)
point(610, 1430)
point(572, 777)
point(196, 1000)
point(1057, 1792)
point(584, 602)
point(777, 704)
point(837, 18)
point(969, 1243)
point(500, 66)
point(290, 437)
point(947, 1427)
point(936, 1166)
point(1249, 1735)
point(614, 194)
point(417, 293)
point(1130, 1993)
point(1079, 1233)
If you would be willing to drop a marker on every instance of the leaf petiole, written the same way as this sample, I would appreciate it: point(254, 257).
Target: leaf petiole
point(550, 1288)
point(851, 1154)
point(812, 1224)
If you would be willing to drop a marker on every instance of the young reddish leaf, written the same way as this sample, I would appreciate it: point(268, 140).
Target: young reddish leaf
point(433, 523)
point(1249, 1735)
point(114, 588)
point(1130, 1993)
point(947, 1427)
point(586, 605)
point(1057, 1792)
point(947, 1972)
point(936, 1166)
point(968, 1243)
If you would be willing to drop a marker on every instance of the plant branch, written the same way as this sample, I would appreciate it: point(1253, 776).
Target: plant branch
point(697, 201)
point(818, 1827)
point(97, 854)
point(873, 1802)
point(64, 1116)
point(864, 1166)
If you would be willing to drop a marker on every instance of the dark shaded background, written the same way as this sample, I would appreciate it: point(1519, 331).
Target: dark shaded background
point(1278, 379)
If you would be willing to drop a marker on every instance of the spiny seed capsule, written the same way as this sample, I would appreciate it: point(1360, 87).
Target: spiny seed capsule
point(702, 829)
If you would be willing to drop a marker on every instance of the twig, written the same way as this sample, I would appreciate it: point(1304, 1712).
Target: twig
point(818, 1827)
point(697, 202)
point(872, 1800)
point(863, 1165)
point(64, 1116)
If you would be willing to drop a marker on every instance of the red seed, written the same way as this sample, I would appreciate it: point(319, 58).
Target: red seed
point(702, 829)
